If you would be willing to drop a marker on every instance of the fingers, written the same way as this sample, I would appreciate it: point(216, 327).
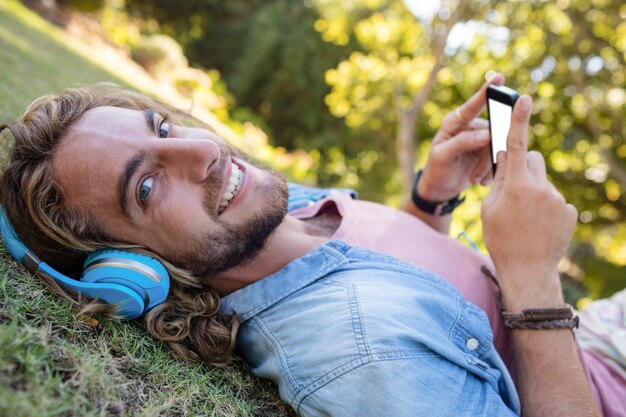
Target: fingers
point(472, 107)
point(498, 180)
point(537, 166)
point(572, 212)
point(517, 143)
point(539, 176)
point(466, 141)
point(479, 124)
point(482, 172)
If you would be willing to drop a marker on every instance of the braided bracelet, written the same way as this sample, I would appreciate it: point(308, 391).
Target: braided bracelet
point(534, 318)
point(542, 319)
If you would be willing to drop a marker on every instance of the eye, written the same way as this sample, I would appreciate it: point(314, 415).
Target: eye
point(145, 188)
point(164, 129)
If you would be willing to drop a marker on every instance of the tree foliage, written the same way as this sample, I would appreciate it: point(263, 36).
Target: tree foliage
point(569, 55)
point(270, 55)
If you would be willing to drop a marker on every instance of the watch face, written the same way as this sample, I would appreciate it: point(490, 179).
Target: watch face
point(449, 206)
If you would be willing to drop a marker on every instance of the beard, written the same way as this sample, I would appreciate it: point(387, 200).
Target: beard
point(228, 245)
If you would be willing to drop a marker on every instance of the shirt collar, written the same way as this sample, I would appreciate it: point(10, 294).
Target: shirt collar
point(262, 294)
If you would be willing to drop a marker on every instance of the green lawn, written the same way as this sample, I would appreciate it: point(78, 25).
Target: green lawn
point(38, 59)
point(52, 364)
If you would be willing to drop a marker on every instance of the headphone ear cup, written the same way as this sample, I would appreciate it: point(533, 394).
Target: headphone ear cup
point(137, 282)
point(131, 305)
point(140, 274)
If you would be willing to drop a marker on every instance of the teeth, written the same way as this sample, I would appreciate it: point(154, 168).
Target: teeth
point(234, 184)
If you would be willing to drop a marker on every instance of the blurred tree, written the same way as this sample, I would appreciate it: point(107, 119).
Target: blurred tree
point(269, 54)
point(569, 55)
point(159, 55)
point(396, 72)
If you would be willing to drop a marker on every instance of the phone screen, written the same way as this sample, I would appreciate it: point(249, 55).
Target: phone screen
point(500, 119)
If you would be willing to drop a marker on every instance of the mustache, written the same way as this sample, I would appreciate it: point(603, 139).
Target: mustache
point(213, 183)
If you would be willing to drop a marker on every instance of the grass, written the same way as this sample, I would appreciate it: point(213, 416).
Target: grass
point(51, 363)
point(38, 59)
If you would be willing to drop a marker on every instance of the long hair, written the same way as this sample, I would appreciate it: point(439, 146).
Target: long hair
point(189, 320)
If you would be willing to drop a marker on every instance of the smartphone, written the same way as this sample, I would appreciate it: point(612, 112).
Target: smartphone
point(500, 102)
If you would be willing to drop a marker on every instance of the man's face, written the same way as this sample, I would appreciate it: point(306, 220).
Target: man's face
point(182, 192)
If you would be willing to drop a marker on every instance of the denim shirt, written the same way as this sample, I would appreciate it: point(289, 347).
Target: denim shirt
point(302, 196)
point(345, 331)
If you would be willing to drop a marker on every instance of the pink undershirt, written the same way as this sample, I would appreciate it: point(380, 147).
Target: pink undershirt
point(405, 237)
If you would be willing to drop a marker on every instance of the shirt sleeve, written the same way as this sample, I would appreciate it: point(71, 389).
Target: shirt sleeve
point(418, 386)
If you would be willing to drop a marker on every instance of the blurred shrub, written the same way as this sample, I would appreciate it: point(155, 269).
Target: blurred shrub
point(204, 89)
point(84, 5)
point(160, 55)
point(119, 28)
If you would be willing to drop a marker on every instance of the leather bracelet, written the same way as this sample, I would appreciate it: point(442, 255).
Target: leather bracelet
point(534, 318)
point(542, 318)
point(436, 209)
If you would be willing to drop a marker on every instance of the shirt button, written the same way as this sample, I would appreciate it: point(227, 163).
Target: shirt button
point(471, 344)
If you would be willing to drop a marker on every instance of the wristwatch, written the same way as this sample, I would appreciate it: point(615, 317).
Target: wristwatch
point(436, 209)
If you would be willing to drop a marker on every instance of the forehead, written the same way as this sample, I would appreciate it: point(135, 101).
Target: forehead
point(112, 121)
point(93, 152)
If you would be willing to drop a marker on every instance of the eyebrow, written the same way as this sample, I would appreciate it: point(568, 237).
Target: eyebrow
point(149, 116)
point(129, 171)
point(132, 166)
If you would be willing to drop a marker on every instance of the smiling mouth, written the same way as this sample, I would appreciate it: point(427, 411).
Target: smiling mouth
point(235, 183)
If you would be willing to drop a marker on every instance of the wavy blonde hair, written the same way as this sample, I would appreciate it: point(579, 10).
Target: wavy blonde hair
point(189, 320)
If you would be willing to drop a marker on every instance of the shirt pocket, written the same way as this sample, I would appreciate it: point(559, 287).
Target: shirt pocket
point(315, 333)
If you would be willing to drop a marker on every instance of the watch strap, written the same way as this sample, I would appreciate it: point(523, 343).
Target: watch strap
point(436, 209)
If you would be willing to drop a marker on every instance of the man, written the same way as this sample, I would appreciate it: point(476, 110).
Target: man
point(341, 330)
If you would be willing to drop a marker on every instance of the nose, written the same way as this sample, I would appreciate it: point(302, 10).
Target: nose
point(191, 159)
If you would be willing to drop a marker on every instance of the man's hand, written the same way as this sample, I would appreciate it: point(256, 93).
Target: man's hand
point(459, 155)
point(527, 227)
point(527, 222)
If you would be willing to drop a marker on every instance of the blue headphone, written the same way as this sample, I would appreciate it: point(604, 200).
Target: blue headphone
point(138, 282)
